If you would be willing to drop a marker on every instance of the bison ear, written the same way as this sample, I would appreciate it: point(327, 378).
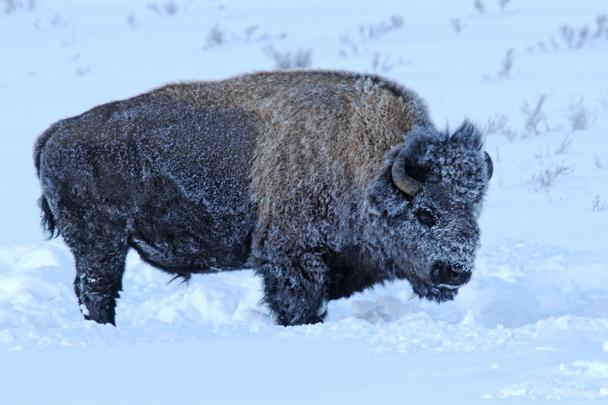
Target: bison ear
point(417, 172)
point(417, 149)
point(469, 136)
point(489, 165)
point(383, 198)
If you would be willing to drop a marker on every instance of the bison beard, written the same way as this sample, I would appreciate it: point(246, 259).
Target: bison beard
point(326, 183)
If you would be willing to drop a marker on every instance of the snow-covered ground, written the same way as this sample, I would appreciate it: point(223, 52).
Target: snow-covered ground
point(531, 325)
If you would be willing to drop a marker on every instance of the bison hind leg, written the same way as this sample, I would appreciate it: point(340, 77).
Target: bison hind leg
point(100, 248)
point(98, 282)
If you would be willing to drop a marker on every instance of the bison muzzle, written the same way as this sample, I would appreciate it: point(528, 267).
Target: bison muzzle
point(325, 183)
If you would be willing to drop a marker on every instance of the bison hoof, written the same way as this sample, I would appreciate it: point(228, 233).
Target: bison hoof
point(100, 310)
point(286, 319)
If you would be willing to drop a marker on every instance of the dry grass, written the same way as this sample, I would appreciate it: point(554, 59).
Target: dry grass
point(384, 64)
point(220, 36)
point(598, 205)
point(546, 178)
point(216, 37)
point(503, 4)
point(564, 145)
point(499, 124)
point(507, 64)
point(456, 25)
point(579, 116)
point(167, 7)
point(535, 116)
point(351, 44)
point(10, 6)
point(300, 59)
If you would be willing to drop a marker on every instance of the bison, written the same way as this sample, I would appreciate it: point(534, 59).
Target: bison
point(325, 183)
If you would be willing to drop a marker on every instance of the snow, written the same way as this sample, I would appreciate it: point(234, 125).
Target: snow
point(531, 325)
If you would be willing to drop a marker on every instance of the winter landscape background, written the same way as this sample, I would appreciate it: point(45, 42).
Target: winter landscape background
point(531, 326)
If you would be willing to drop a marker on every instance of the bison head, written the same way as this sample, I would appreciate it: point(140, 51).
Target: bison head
point(425, 204)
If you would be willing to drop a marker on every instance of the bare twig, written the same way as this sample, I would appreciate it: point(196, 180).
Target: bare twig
point(579, 116)
point(563, 146)
point(547, 176)
point(456, 25)
point(300, 59)
point(507, 64)
point(535, 115)
point(597, 205)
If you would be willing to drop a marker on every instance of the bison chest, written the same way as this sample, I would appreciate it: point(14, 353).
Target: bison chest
point(351, 270)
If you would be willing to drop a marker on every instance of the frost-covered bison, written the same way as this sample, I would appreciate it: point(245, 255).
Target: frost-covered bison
point(325, 183)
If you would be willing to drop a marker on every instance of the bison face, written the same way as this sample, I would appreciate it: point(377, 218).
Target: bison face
point(425, 205)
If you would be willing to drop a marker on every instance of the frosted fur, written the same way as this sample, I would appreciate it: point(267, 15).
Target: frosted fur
point(455, 179)
point(288, 172)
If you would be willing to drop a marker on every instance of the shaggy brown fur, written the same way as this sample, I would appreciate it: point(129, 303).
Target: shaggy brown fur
point(322, 137)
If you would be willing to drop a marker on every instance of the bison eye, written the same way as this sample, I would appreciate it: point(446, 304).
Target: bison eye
point(425, 216)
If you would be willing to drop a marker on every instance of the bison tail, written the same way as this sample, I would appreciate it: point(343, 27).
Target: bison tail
point(47, 219)
point(40, 142)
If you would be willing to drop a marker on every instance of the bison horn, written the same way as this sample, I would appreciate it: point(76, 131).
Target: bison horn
point(489, 165)
point(405, 183)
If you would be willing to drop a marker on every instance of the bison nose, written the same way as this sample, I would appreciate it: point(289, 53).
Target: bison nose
point(445, 273)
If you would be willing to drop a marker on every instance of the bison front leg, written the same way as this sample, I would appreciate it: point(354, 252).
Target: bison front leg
point(98, 282)
point(296, 289)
